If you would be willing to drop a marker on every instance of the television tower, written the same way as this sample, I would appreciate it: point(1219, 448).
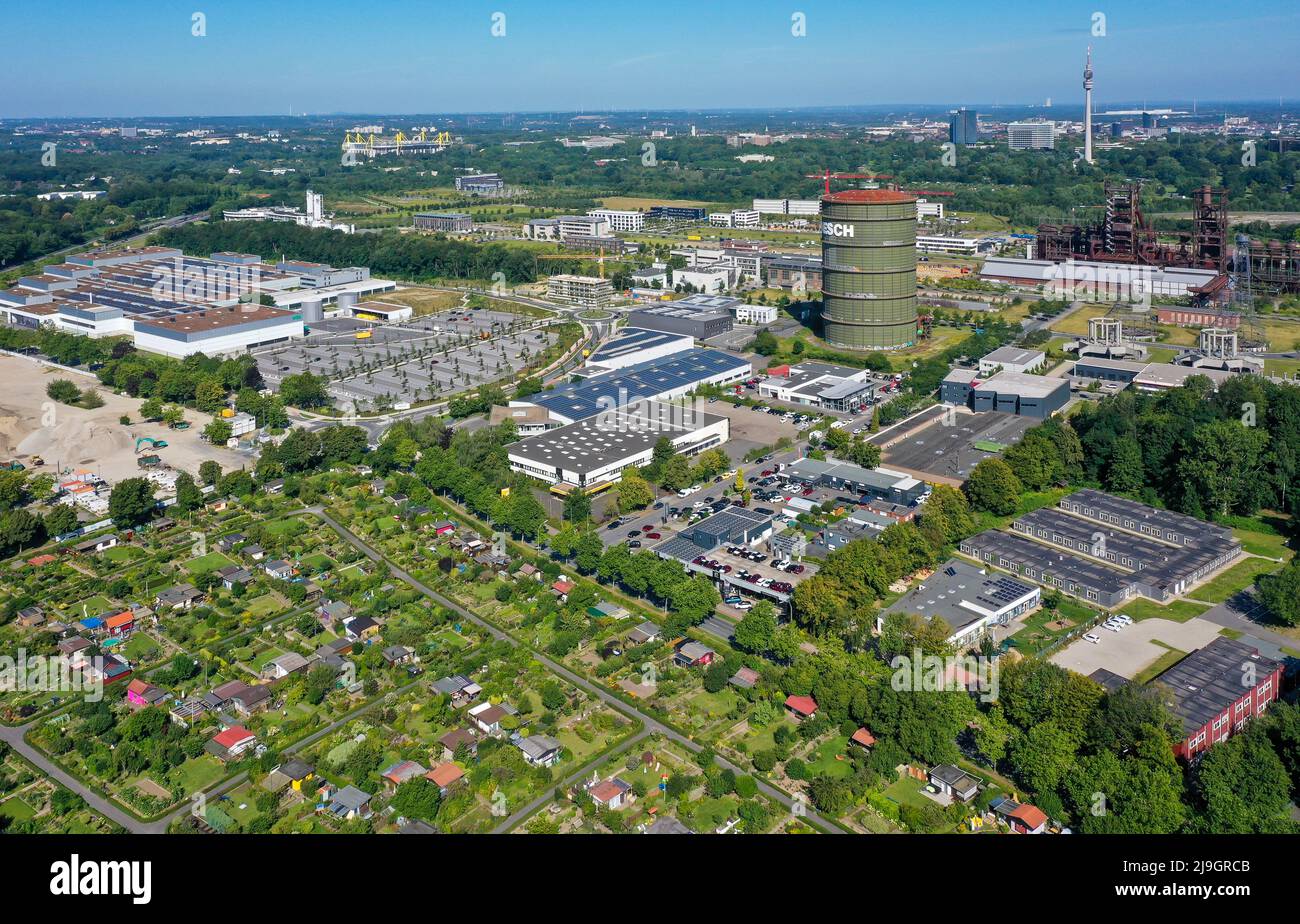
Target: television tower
point(1087, 107)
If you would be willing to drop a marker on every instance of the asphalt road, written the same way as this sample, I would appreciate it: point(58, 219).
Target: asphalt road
point(1243, 612)
point(649, 723)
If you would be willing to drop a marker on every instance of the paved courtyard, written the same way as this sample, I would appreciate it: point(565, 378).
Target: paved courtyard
point(1130, 650)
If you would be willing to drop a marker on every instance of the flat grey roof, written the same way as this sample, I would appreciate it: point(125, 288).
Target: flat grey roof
point(1010, 354)
point(961, 594)
point(1029, 386)
point(608, 437)
point(1022, 552)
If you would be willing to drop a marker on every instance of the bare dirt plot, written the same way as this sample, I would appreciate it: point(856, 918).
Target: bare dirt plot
point(77, 438)
point(422, 301)
point(749, 428)
point(1133, 648)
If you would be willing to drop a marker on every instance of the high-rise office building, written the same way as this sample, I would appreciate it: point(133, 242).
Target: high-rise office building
point(1023, 136)
point(963, 126)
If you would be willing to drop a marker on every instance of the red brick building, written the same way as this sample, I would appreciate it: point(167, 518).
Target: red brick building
point(1215, 690)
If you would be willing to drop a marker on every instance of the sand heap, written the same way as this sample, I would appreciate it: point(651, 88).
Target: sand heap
point(81, 442)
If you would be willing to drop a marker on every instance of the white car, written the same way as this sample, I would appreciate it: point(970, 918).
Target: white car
point(1114, 627)
point(1092, 637)
point(742, 606)
point(1127, 620)
point(684, 492)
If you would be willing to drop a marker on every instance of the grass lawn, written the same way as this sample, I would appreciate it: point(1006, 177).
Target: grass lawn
point(264, 605)
point(1288, 367)
point(713, 705)
point(91, 606)
point(198, 773)
point(120, 554)
point(289, 526)
point(1235, 579)
point(206, 563)
point(1035, 635)
point(1178, 611)
point(317, 562)
point(1269, 545)
point(907, 791)
point(264, 657)
point(761, 739)
point(1159, 665)
point(140, 647)
point(823, 759)
point(451, 639)
point(16, 809)
point(240, 805)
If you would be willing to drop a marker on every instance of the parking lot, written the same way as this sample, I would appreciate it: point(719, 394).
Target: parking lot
point(1133, 648)
point(942, 449)
point(750, 429)
point(748, 588)
point(432, 357)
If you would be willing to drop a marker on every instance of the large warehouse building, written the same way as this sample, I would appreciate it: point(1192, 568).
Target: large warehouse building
point(596, 450)
point(699, 316)
point(1216, 690)
point(633, 346)
point(869, 269)
point(656, 380)
point(1009, 392)
point(880, 483)
point(165, 301)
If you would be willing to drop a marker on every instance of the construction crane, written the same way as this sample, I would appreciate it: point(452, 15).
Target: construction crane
point(828, 176)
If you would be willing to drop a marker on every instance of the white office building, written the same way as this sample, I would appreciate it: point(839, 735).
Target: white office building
point(754, 314)
point(736, 218)
point(619, 219)
point(1023, 136)
point(926, 209)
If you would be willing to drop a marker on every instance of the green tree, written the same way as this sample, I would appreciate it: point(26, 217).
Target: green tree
point(577, 507)
point(417, 798)
point(209, 471)
point(61, 519)
point(765, 343)
point(131, 503)
point(634, 492)
point(63, 391)
point(1280, 593)
point(757, 630)
point(993, 487)
point(188, 495)
point(218, 432)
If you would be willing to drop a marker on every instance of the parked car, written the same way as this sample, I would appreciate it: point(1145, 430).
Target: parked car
point(1092, 637)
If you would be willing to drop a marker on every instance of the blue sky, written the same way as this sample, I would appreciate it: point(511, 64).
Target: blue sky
point(138, 57)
